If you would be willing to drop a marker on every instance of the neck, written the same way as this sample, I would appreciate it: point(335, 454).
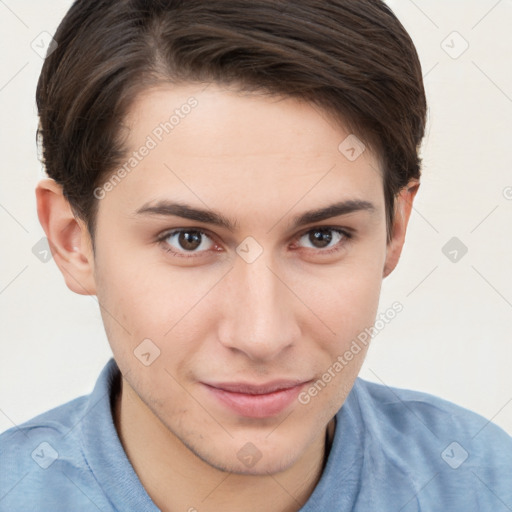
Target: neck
point(176, 479)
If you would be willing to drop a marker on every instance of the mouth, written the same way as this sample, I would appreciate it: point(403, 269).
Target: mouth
point(256, 400)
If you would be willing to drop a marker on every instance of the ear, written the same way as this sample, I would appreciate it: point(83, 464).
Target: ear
point(403, 208)
point(68, 237)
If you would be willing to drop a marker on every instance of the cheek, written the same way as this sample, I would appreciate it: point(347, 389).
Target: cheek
point(349, 297)
point(142, 300)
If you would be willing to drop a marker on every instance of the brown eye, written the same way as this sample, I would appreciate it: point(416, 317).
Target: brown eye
point(189, 240)
point(186, 240)
point(323, 238)
point(320, 238)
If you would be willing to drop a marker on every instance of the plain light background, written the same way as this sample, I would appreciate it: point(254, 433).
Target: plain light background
point(452, 338)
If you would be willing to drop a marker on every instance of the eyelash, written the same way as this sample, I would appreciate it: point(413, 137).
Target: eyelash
point(167, 248)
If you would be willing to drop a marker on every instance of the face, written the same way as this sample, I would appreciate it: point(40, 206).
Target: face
point(223, 328)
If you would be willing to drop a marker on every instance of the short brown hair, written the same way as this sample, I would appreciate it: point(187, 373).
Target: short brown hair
point(351, 58)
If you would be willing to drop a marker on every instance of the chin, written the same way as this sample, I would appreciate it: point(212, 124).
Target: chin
point(247, 459)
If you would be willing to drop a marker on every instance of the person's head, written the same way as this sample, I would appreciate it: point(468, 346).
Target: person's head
point(255, 112)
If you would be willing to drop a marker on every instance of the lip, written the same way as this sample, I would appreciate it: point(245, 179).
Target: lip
point(256, 400)
point(255, 389)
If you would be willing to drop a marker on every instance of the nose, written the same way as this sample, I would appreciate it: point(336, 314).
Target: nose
point(259, 311)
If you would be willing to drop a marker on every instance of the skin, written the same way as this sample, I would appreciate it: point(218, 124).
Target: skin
point(259, 161)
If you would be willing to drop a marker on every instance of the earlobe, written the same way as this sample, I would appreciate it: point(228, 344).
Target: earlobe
point(403, 208)
point(68, 237)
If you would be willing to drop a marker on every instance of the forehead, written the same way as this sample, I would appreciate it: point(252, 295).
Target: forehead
point(213, 143)
point(214, 120)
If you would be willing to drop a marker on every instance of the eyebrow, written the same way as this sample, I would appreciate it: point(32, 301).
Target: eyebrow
point(177, 209)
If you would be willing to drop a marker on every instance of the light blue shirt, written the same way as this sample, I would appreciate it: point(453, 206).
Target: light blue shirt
point(393, 450)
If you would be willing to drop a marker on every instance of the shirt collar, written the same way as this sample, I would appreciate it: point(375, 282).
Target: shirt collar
point(103, 449)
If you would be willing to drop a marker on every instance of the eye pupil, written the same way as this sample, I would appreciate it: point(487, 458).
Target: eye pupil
point(189, 240)
point(321, 235)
